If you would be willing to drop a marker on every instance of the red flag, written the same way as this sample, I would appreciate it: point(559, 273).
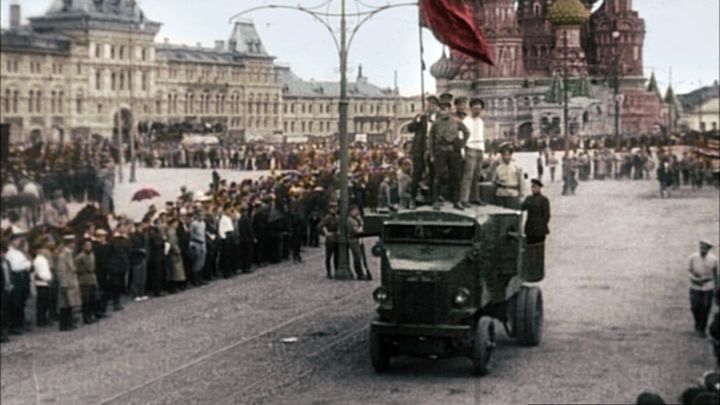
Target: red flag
point(453, 24)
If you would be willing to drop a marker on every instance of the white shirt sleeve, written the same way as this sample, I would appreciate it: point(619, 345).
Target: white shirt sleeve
point(225, 226)
point(42, 268)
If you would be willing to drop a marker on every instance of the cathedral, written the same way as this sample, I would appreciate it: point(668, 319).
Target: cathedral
point(543, 46)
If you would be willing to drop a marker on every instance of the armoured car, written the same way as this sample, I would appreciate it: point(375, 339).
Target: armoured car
point(448, 278)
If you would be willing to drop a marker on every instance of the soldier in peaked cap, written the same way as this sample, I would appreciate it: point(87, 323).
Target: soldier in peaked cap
point(445, 145)
point(420, 127)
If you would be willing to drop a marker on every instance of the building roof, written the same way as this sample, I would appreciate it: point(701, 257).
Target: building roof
point(100, 14)
point(245, 39)
point(699, 96)
point(568, 12)
point(25, 40)
point(294, 86)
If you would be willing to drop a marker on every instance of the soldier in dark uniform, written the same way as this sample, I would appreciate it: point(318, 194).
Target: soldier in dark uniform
point(445, 144)
point(246, 238)
point(420, 128)
point(538, 214)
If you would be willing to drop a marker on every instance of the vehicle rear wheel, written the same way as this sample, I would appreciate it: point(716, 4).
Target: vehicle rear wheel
point(379, 353)
point(483, 345)
point(528, 318)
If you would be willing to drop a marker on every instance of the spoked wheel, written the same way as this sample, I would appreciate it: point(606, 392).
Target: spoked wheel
point(379, 353)
point(528, 317)
point(483, 345)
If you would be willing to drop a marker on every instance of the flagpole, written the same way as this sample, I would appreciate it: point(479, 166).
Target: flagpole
point(422, 61)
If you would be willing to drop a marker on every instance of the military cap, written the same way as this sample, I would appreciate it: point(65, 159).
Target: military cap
point(446, 98)
point(475, 101)
point(460, 100)
point(706, 242)
point(506, 148)
point(537, 182)
point(432, 99)
point(69, 237)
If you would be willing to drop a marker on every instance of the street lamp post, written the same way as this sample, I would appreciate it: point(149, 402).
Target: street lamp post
point(565, 93)
point(616, 88)
point(343, 45)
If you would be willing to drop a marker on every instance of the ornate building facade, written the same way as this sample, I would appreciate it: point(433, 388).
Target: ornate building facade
point(536, 42)
point(93, 67)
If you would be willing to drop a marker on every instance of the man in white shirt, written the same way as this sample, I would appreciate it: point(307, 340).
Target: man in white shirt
point(43, 277)
point(704, 279)
point(20, 267)
point(474, 149)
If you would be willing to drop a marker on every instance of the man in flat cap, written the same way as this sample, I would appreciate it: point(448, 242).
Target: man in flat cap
point(704, 279)
point(538, 214)
point(508, 180)
point(445, 145)
point(474, 150)
point(421, 128)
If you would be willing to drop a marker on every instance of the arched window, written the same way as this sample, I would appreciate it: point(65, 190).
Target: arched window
point(79, 103)
point(31, 101)
point(536, 9)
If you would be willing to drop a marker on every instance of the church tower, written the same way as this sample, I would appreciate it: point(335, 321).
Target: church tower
point(538, 37)
point(568, 17)
point(618, 35)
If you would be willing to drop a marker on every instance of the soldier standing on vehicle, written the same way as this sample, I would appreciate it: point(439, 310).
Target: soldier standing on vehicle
point(538, 214)
point(474, 149)
point(445, 145)
point(421, 127)
point(508, 180)
point(704, 278)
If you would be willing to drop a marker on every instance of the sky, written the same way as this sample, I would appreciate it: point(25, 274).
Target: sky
point(682, 40)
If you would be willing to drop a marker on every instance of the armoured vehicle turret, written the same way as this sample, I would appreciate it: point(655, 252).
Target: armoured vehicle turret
point(448, 279)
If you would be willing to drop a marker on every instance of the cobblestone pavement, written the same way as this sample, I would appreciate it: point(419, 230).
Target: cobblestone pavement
point(617, 323)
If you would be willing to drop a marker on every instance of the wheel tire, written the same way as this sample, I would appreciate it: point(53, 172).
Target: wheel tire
point(528, 318)
point(483, 345)
point(379, 353)
point(510, 326)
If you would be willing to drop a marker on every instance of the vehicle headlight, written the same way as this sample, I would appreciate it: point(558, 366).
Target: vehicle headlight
point(381, 295)
point(378, 250)
point(462, 296)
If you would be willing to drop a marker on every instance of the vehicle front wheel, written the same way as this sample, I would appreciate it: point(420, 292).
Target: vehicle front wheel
point(379, 353)
point(483, 345)
point(528, 318)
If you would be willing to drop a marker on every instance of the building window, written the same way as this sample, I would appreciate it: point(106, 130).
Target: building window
point(61, 96)
point(158, 107)
point(52, 102)
point(16, 101)
point(99, 108)
point(31, 100)
point(79, 69)
point(6, 105)
point(98, 50)
point(121, 53)
point(79, 104)
point(112, 51)
point(144, 81)
point(122, 81)
point(143, 54)
point(98, 80)
point(112, 81)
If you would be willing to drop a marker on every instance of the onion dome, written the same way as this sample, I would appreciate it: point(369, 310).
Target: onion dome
point(445, 68)
point(568, 12)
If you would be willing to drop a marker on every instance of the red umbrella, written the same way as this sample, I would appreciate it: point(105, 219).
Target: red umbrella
point(145, 194)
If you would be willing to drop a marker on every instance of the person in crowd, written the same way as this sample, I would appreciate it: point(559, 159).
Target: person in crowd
point(139, 251)
point(69, 297)
point(85, 268)
point(174, 260)
point(474, 150)
point(226, 235)
point(212, 242)
point(537, 207)
point(43, 277)
point(101, 251)
point(540, 166)
point(183, 236)
point(5, 288)
point(569, 174)
point(197, 248)
point(704, 279)
point(445, 144)
point(156, 258)
point(508, 179)
point(354, 228)
point(552, 163)
point(329, 229)
point(119, 265)
point(19, 285)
